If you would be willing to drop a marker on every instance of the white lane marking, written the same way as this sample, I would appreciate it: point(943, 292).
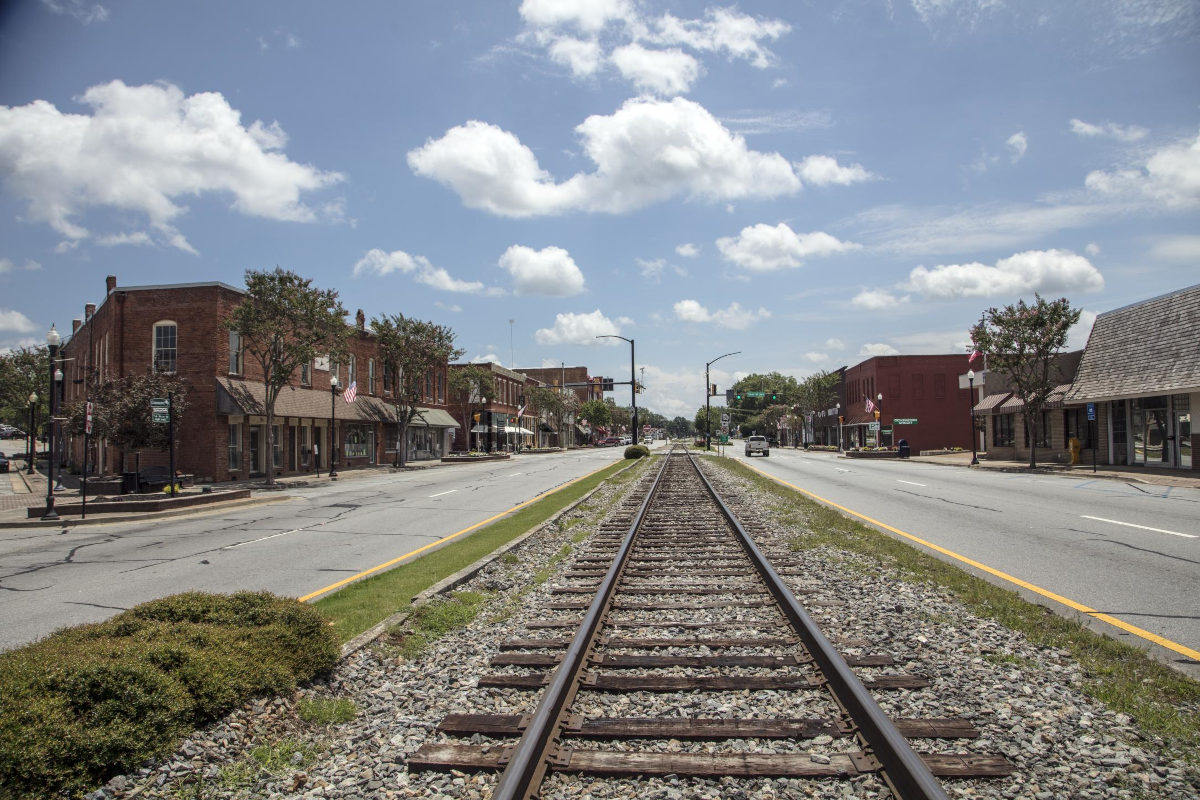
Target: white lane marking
point(910, 483)
point(841, 469)
point(439, 494)
point(1141, 527)
point(263, 539)
point(514, 474)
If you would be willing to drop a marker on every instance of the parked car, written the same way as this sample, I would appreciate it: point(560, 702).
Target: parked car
point(3, 463)
point(10, 432)
point(610, 441)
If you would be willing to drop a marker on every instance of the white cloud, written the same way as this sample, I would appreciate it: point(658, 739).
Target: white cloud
point(380, 263)
point(1031, 271)
point(7, 265)
point(762, 248)
point(646, 152)
point(877, 299)
point(1092, 249)
point(1018, 143)
point(1078, 335)
point(653, 269)
point(835, 344)
point(136, 238)
point(661, 72)
point(687, 250)
point(1111, 130)
point(734, 317)
point(550, 271)
point(81, 10)
point(1171, 176)
point(825, 170)
point(141, 149)
point(578, 329)
point(815, 357)
point(723, 30)
point(1178, 248)
point(586, 15)
point(15, 321)
point(779, 122)
point(878, 349)
point(484, 359)
point(451, 307)
point(583, 57)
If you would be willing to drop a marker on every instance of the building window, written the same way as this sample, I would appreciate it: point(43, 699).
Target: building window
point(441, 388)
point(387, 378)
point(166, 346)
point(306, 374)
point(277, 446)
point(428, 387)
point(1076, 426)
point(358, 441)
point(918, 387)
point(333, 370)
point(352, 370)
point(939, 386)
point(235, 447)
point(1043, 439)
point(371, 376)
point(235, 353)
point(1002, 430)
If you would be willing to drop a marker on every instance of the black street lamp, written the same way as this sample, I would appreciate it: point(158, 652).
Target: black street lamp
point(971, 413)
point(33, 398)
point(333, 386)
point(632, 376)
point(879, 418)
point(839, 416)
point(52, 340)
point(708, 400)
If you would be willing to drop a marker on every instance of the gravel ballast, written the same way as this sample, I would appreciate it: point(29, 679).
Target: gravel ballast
point(1026, 700)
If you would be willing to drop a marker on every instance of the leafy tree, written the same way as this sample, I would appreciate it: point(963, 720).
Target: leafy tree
point(285, 322)
point(467, 387)
point(703, 414)
point(550, 404)
point(23, 371)
point(414, 349)
point(597, 413)
point(1020, 342)
point(121, 411)
point(679, 427)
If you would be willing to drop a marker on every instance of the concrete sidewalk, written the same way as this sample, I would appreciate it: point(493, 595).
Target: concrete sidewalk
point(1185, 478)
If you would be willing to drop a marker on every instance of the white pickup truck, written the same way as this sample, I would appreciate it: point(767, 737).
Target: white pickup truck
point(757, 444)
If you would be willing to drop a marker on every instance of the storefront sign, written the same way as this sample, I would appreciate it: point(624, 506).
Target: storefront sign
point(905, 421)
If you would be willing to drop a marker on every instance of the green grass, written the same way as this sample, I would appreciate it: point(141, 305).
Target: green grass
point(1160, 700)
point(433, 620)
point(359, 606)
point(326, 710)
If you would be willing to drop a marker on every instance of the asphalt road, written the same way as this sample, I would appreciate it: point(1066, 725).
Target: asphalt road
point(1128, 550)
point(50, 578)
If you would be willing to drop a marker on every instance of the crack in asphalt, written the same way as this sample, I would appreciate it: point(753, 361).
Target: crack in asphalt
point(949, 502)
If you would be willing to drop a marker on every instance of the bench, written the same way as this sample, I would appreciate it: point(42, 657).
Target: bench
point(153, 479)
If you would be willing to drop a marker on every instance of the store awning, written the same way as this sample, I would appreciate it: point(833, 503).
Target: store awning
point(433, 418)
point(989, 403)
point(481, 429)
point(545, 428)
point(519, 430)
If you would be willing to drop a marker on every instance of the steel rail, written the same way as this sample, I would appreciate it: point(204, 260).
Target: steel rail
point(530, 758)
point(905, 772)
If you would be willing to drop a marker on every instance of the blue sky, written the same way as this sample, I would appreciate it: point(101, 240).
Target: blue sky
point(809, 183)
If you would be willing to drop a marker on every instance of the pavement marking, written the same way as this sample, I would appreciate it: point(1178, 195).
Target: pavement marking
point(1141, 527)
point(840, 469)
point(1141, 633)
point(439, 494)
point(910, 483)
point(263, 538)
point(444, 539)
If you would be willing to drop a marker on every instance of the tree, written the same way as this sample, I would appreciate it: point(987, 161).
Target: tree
point(414, 349)
point(24, 371)
point(121, 411)
point(679, 427)
point(550, 404)
point(468, 386)
point(700, 423)
point(596, 412)
point(285, 322)
point(1021, 342)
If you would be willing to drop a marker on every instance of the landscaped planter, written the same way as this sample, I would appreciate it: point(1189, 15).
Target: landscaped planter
point(872, 454)
point(143, 503)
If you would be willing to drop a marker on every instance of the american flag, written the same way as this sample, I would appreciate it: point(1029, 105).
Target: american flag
point(870, 406)
point(974, 355)
point(351, 392)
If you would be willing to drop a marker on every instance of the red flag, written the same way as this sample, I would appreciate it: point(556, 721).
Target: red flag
point(974, 355)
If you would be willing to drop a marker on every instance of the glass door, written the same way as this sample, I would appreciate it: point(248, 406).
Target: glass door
point(1183, 435)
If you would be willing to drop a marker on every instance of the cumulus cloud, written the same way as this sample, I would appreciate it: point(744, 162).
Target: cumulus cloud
point(835, 344)
point(1110, 130)
point(589, 16)
point(876, 299)
point(722, 30)
point(578, 329)
point(825, 170)
point(141, 149)
point(687, 250)
point(762, 248)
point(550, 271)
point(583, 57)
point(734, 317)
point(379, 263)
point(878, 349)
point(1031, 271)
point(661, 72)
point(1017, 144)
point(14, 321)
point(453, 308)
point(1171, 176)
point(646, 152)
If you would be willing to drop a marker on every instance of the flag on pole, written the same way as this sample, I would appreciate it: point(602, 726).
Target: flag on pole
point(974, 355)
point(870, 406)
point(351, 392)
point(520, 413)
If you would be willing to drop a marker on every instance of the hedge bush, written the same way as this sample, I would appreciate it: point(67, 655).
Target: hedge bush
point(637, 451)
point(98, 700)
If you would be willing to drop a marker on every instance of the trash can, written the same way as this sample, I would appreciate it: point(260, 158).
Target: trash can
point(129, 483)
point(902, 446)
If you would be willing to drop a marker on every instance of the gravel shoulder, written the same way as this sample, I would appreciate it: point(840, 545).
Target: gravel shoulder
point(1026, 700)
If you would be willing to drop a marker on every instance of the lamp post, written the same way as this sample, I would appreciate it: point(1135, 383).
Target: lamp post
point(632, 375)
point(971, 413)
point(333, 386)
point(708, 400)
point(52, 340)
point(839, 416)
point(33, 398)
point(57, 439)
point(879, 417)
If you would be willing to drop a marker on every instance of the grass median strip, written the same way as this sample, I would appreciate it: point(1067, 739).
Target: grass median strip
point(358, 606)
point(1162, 701)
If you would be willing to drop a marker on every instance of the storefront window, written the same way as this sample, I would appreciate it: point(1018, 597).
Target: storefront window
point(235, 447)
point(277, 446)
point(358, 441)
point(1002, 430)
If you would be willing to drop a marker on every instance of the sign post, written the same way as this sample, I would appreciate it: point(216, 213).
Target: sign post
point(1091, 411)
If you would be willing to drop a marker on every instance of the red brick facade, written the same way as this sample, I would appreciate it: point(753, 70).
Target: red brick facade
point(924, 388)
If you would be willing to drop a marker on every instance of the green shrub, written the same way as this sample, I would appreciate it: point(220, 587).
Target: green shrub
point(636, 451)
point(98, 700)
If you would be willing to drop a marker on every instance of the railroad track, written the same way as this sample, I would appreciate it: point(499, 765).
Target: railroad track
point(676, 598)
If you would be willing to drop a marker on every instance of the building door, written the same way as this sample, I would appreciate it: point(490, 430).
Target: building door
point(1183, 437)
point(293, 455)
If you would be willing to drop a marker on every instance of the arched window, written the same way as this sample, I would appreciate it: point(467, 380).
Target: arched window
point(166, 347)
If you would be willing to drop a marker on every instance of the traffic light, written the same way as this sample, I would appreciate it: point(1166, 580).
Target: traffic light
point(773, 397)
point(606, 384)
point(475, 416)
point(712, 390)
point(729, 397)
point(877, 415)
point(739, 396)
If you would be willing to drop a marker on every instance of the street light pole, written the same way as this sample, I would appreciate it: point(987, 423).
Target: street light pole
point(52, 340)
point(839, 416)
point(333, 386)
point(971, 413)
point(879, 419)
point(708, 400)
point(632, 376)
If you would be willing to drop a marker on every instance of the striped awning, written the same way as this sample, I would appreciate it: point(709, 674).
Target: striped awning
point(990, 403)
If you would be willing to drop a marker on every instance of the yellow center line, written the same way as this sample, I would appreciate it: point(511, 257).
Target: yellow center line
point(1091, 612)
point(444, 539)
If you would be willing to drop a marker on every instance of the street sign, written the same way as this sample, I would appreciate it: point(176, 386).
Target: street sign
point(160, 416)
point(905, 421)
point(87, 427)
point(756, 394)
point(872, 426)
point(725, 418)
point(1091, 412)
point(724, 439)
point(160, 409)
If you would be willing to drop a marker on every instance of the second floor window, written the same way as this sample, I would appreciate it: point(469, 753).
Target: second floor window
point(166, 346)
point(371, 376)
point(235, 353)
point(387, 378)
point(352, 370)
point(306, 374)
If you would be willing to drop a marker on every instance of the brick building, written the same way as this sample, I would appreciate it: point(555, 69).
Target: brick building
point(921, 402)
point(178, 328)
